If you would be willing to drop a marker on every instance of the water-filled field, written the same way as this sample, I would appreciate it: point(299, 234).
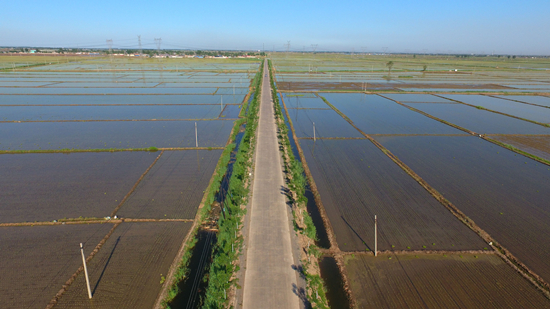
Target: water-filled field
point(453, 159)
point(102, 153)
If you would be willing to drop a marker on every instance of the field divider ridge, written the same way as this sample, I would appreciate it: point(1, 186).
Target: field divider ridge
point(500, 250)
point(135, 185)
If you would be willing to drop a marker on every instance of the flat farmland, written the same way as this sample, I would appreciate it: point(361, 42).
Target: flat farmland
point(38, 260)
point(374, 114)
point(90, 113)
point(439, 281)
point(539, 100)
point(113, 134)
point(304, 101)
point(535, 113)
point(115, 99)
point(174, 187)
point(106, 91)
point(537, 145)
point(425, 98)
point(127, 271)
point(46, 187)
point(357, 181)
point(478, 120)
point(327, 124)
point(505, 193)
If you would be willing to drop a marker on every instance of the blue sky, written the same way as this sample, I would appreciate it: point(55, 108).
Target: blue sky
point(504, 27)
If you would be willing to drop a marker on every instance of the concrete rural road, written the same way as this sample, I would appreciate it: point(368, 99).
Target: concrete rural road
point(269, 277)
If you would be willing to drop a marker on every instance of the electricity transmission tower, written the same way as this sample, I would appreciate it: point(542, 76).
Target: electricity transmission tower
point(385, 49)
point(139, 43)
point(287, 46)
point(158, 42)
point(110, 44)
point(314, 47)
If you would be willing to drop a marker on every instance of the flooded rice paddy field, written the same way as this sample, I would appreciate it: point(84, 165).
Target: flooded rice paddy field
point(374, 114)
point(439, 281)
point(479, 120)
point(191, 99)
point(327, 124)
point(53, 201)
point(174, 187)
point(127, 270)
point(38, 260)
point(357, 181)
point(526, 111)
point(53, 186)
point(118, 112)
point(505, 193)
point(429, 124)
point(113, 134)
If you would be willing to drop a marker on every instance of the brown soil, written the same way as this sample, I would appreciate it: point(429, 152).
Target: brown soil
point(537, 145)
point(438, 281)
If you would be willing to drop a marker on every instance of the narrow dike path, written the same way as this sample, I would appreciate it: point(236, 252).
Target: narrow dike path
point(269, 280)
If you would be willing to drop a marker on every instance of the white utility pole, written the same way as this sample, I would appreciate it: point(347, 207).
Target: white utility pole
point(196, 136)
point(375, 237)
point(86, 272)
point(314, 131)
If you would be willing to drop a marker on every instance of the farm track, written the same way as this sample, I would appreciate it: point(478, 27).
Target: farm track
point(505, 254)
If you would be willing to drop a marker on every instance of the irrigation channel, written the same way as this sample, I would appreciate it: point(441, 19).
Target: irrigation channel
point(330, 273)
point(193, 288)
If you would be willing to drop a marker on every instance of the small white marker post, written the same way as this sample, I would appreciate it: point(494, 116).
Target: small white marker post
point(375, 237)
point(196, 136)
point(314, 131)
point(86, 272)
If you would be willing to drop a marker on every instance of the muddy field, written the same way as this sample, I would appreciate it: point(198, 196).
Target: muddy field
point(537, 145)
point(505, 193)
point(46, 187)
point(127, 271)
point(174, 187)
point(357, 181)
point(438, 281)
point(38, 260)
